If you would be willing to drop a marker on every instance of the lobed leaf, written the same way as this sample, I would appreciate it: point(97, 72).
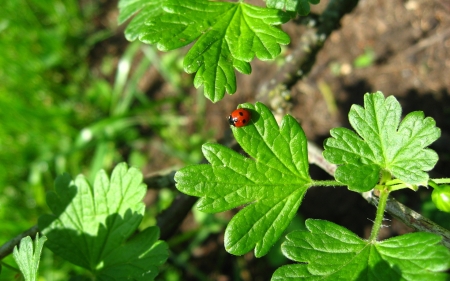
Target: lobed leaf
point(270, 185)
point(382, 143)
point(229, 36)
point(90, 224)
point(331, 252)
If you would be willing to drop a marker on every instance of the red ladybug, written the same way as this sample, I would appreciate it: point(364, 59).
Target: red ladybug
point(239, 118)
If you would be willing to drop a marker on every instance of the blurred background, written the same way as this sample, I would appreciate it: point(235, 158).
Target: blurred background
point(76, 97)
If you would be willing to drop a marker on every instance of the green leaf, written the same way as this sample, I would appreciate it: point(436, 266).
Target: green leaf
point(90, 224)
point(229, 35)
point(382, 143)
point(28, 257)
point(271, 186)
point(143, 10)
point(331, 252)
point(299, 6)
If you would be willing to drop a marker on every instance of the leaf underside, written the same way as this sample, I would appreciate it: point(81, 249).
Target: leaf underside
point(27, 257)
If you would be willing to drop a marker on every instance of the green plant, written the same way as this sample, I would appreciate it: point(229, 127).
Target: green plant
point(28, 257)
point(271, 184)
point(42, 70)
point(59, 116)
point(383, 155)
point(229, 36)
point(103, 221)
point(91, 233)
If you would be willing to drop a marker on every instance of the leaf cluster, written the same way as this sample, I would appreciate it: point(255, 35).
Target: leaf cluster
point(273, 181)
point(92, 226)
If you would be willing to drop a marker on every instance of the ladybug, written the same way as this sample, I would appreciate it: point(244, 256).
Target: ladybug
point(239, 118)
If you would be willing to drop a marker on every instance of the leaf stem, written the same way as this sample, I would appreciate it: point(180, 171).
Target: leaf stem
point(444, 180)
point(327, 183)
point(384, 193)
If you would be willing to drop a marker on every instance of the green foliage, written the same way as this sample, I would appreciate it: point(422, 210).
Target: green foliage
point(59, 116)
point(97, 220)
point(273, 183)
point(381, 144)
point(28, 257)
point(42, 73)
point(302, 7)
point(229, 35)
point(330, 252)
point(46, 82)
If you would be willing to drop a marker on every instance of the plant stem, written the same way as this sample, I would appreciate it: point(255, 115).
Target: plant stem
point(444, 180)
point(384, 193)
point(327, 183)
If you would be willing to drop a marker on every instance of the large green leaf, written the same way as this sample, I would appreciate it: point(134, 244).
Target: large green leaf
point(271, 185)
point(382, 143)
point(229, 36)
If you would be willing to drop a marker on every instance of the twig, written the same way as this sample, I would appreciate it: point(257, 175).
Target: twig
point(393, 207)
point(411, 218)
point(160, 179)
point(171, 218)
point(315, 157)
point(168, 221)
point(425, 43)
point(8, 247)
point(303, 57)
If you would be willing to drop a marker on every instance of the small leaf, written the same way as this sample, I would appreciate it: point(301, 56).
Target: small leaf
point(90, 224)
point(382, 143)
point(299, 6)
point(331, 252)
point(229, 35)
point(28, 257)
point(271, 186)
point(358, 176)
